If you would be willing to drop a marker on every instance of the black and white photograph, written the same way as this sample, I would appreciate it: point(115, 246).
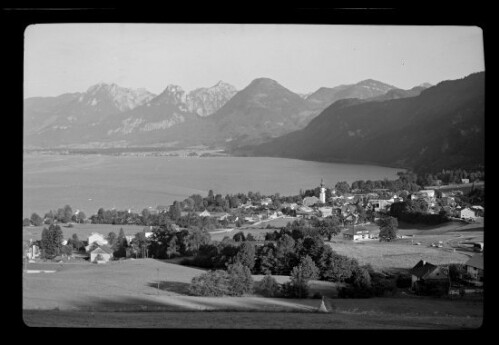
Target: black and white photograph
point(253, 176)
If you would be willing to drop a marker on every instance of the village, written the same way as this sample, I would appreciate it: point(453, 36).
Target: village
point(357, 215)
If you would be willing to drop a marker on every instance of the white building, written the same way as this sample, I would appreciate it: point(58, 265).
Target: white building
point(466, 213)
point(97, 238)
point(326, 211)
point(322, 195)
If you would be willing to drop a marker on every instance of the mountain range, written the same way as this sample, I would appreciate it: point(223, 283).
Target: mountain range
point(109, 115)
point(425, 127)
point(440, 127)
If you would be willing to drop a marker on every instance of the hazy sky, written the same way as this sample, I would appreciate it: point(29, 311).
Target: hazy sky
point(63, 58)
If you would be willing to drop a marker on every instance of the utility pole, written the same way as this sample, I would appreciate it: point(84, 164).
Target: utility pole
point(157, 269)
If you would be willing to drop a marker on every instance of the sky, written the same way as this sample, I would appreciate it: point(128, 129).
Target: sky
point(60, 58)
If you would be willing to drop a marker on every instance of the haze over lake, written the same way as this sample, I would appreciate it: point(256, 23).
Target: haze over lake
point(88, 182)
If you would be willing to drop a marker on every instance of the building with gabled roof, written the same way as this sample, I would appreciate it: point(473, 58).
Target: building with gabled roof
point(424, 271)
point(101, 254)
point(360, 232)
point(474, 267)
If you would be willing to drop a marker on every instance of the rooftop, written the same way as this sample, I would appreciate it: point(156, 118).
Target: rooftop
point(476, 261)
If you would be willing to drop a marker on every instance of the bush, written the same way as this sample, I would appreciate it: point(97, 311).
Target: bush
point(384, 287)
point(236, 281)
point(317, 295)
point(240, 279)
point(403, 281)
point(211, 283)
point(353, 292)
point(268, 286)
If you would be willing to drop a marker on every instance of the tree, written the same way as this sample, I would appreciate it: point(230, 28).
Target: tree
point(388, 228)
point(111, 239)
point(342, 187)
point(75, 242)
point(36, 220)
point(300, 276)
point(171, 249)
point(246, 255)
point(268, 286)
point(67, 213)
point(80, 217)
point(121, 245)
point(250, 237)
point(51, 242)
point(239, 237)
point(26, 222)
point(240, 279)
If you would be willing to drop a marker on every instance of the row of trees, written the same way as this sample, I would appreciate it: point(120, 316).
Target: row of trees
point(416, 211)
point(61, 215)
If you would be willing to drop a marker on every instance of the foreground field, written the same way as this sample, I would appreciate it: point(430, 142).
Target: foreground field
point(250, 320)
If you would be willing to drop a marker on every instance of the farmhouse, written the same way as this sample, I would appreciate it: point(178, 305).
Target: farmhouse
point(266, 202)
point(326, 211)
point(101, 254)
point(360, 233)
point(466, 213)
point(474, 267)
point(95, 237)
point(424, 272)
point(380, 204)
point(205, 213)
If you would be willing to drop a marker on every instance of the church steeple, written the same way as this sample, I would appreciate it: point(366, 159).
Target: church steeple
point(322, 195)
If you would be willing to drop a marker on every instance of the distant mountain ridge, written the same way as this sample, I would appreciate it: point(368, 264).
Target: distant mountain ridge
point(364, 89)
point(442, 127)
point(107, 115)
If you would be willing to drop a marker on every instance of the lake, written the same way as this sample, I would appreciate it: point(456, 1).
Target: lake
point(88, 182)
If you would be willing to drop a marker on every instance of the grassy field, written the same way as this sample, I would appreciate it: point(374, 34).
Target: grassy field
point(403, 254)
point(250, 320)
point(153, 293)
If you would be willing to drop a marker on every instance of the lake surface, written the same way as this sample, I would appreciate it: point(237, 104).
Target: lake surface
point(88, 182)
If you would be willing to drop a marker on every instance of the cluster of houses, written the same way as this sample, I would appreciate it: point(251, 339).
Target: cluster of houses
point(425, 273)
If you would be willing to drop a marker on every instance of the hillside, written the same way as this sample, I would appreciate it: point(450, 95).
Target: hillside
point(443, 127)
point(324, 97)
point(262, 110)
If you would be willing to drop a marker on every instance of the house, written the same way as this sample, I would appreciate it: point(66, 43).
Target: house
point(101, 254)
point(448, 201)
point(97, 238)
point(474, 267)
point(424, 271)
point(33, 252)
point(357, 233)
point(266, 202)
point(129, 239)
point(292, 205)
point(465, 180)
point(380, 204)
point(310, 201)
point(466, 213)
point(205, 213)
point(162, 209)
point(326, 211)
point(479, 210)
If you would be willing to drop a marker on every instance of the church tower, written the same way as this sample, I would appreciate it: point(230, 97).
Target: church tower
point(322, 195)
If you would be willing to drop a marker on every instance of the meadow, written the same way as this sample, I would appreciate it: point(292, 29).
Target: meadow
point(153, 293)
